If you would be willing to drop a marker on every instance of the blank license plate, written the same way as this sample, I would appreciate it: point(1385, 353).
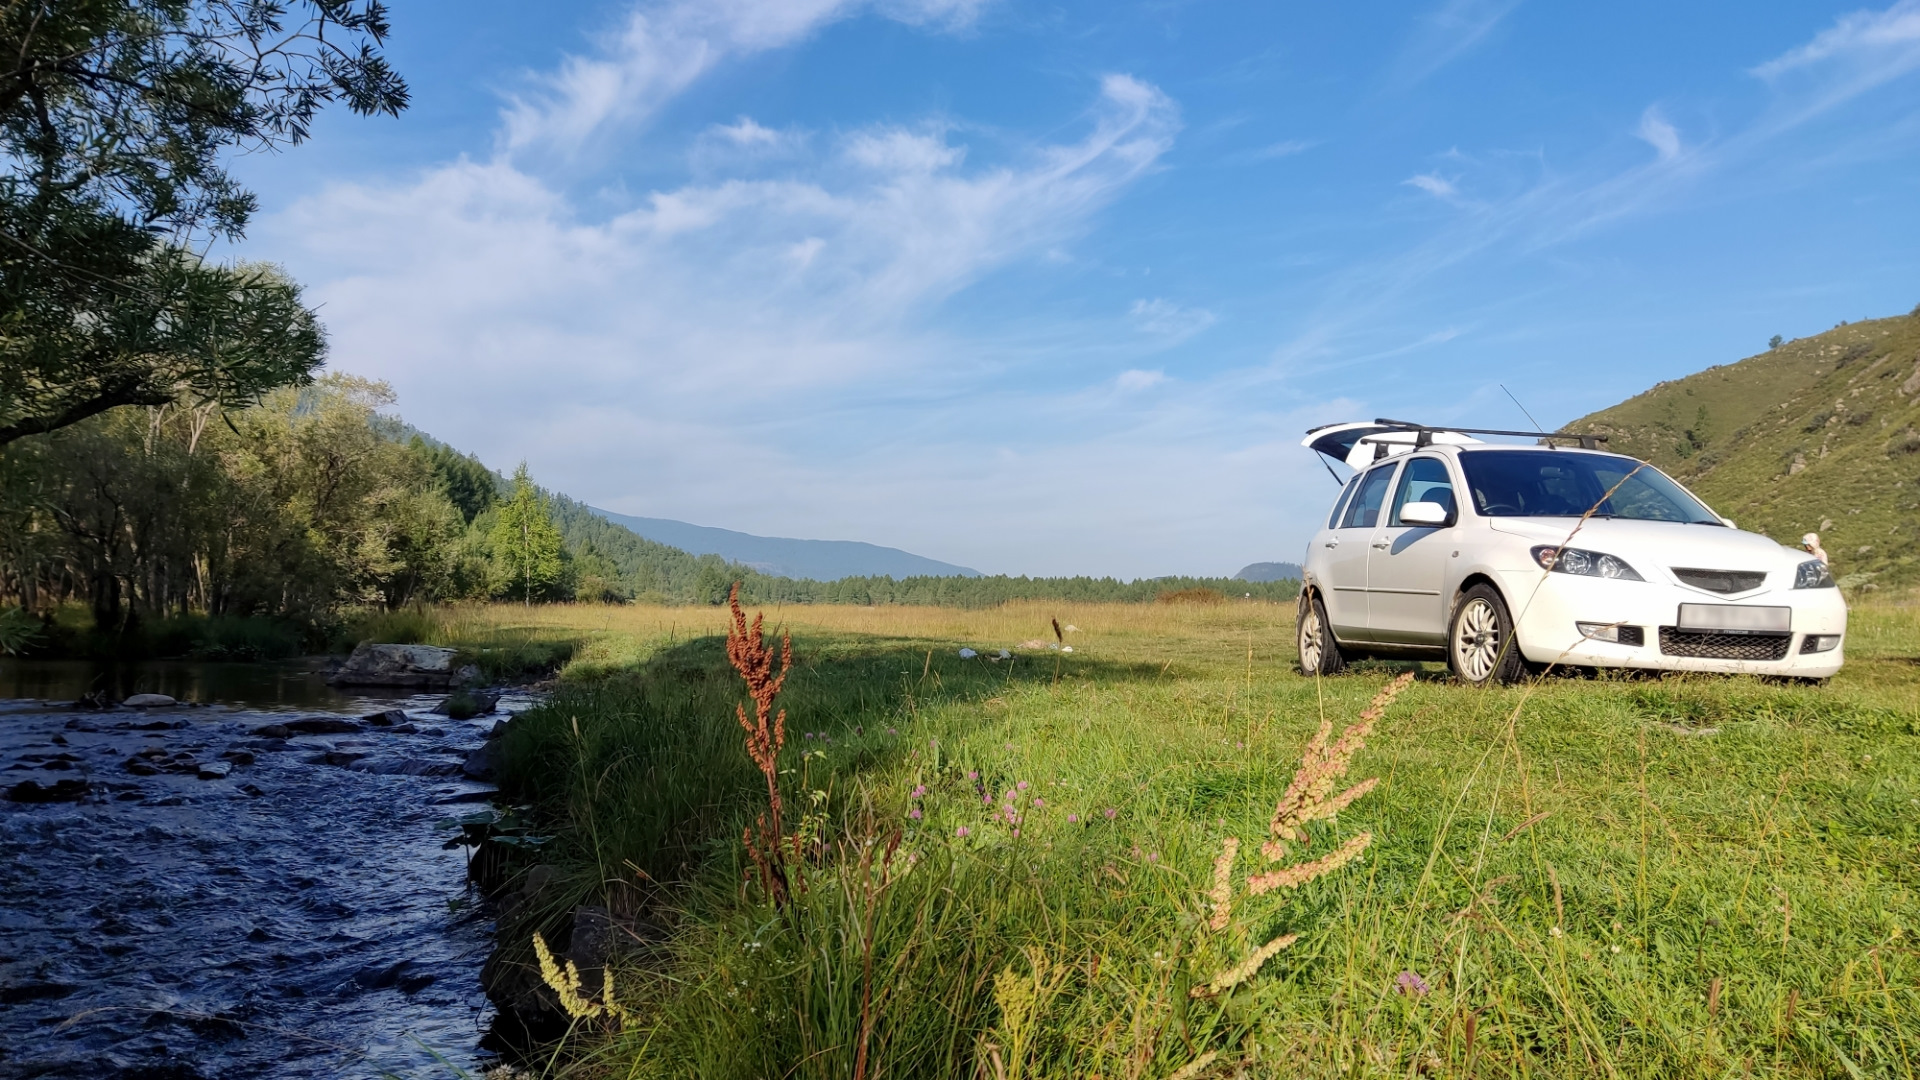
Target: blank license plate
point(1736, 618)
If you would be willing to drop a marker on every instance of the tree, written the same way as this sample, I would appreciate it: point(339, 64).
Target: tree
point(114, 117)
point(526, 543)
point(1774, 341)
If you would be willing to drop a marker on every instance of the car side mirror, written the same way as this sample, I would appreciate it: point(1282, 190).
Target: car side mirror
point(1425, 513)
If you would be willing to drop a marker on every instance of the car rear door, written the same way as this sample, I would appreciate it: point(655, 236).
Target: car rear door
point(1344, 554)
point(1407, 564)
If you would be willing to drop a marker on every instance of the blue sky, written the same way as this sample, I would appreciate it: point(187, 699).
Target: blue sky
point(1056, 288)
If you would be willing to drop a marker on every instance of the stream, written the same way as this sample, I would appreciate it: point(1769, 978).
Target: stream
point(226, 902)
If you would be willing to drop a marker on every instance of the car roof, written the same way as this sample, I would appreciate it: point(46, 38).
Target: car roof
point(1361, 443)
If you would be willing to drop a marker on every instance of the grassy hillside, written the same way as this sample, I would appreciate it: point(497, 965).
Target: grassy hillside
point(1820, 435)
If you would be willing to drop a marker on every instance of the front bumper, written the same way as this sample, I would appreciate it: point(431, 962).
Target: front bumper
point(1547, 606)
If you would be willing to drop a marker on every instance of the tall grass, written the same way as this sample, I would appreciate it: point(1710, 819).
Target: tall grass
point(1603, 877)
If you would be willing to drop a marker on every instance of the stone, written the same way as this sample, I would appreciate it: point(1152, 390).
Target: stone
point(252, 791)
point(414, 981)
point(464, 704)
point(239, 757)
point(30, 791)
point(215, 770)
point(273, 731)
point(338, 758)
point(149, 701)
point(499, 728)
point(390, 718)
point(404, 729)
point(427, 667)
point(320, 725)
point(479, 764)
point(592, 942)
point(140, 766)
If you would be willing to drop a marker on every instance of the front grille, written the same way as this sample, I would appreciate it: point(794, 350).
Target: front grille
point(1721, 581)
point(1713, 645)
point(1632, 635)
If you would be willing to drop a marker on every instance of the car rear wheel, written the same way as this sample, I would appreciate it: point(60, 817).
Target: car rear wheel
point(1319, 653)
point(1480, 646)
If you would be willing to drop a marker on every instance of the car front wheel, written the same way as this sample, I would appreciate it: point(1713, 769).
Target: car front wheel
point(1319, 653)
point(1480, 646)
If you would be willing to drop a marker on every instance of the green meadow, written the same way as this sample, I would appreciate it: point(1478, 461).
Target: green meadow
point(1005, 868)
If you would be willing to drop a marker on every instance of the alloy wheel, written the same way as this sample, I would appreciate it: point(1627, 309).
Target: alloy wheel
point(1476, 640)
point(1311, 642)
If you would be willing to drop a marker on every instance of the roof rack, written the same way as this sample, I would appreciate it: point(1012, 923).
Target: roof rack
point(1423, 433)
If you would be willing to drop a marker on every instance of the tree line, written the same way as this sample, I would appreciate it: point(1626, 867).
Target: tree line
point(315, 502)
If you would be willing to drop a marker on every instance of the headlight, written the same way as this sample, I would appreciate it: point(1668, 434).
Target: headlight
point(1584, 563)
point(1812, 574)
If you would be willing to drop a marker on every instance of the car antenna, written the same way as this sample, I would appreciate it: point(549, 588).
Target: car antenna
point(1522, 408)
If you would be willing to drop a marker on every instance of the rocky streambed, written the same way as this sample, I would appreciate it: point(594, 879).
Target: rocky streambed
point(241, 888)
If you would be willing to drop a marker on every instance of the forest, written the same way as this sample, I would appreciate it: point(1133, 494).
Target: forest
point(185, 529)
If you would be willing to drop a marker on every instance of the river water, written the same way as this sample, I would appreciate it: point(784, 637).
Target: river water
point(297, 917)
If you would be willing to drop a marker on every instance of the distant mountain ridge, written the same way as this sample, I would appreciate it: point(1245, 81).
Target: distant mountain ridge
point(1269, 571)
point(814, 560)
point(1821, 434)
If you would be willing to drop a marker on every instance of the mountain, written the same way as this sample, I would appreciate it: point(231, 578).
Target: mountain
point(1821, 434)
point(817, 560)
point(1269, 571)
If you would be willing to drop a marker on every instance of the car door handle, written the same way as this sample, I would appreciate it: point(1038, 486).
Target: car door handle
point(1383, 544)
point(1334, 543)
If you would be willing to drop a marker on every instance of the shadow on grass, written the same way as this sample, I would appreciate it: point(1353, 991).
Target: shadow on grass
point(642, 776)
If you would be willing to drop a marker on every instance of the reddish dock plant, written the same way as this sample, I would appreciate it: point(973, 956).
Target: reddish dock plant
point(766, 733)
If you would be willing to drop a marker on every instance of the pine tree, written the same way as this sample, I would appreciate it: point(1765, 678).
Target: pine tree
point(526, 543)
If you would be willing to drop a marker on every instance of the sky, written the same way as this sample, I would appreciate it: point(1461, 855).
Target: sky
point(1057, 288)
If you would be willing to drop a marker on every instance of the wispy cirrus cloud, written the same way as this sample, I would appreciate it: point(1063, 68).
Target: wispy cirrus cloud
point(1435, 185)
point(660, 49)
point(1875, 43)
point(1444, 34)
point(1658, 132)
point(1167, 320)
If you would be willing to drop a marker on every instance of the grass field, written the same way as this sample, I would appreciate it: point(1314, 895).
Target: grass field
point(1605, 877)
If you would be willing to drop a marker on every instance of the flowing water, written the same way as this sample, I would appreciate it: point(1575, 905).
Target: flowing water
point(296, 917)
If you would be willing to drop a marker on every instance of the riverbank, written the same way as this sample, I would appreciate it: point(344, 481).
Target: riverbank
point(1675, 877)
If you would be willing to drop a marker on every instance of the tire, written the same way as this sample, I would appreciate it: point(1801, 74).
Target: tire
point(1313, 636)
point(1480, 646)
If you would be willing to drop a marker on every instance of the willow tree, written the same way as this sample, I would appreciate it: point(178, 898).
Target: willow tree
point(115, 117)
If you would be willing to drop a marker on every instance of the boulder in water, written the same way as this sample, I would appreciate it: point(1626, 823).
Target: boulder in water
point(149, 701)
point(424, 666)
point(30, 791)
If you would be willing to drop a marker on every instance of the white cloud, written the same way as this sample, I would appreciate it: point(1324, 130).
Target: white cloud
point(1659, 133)
point(661, 48)
point(1445, 34)
point(746, 132)
point(1435, 185)
point(771, 326)
point(1166, 319)
point(1135, 380)
point(1887, 39)
point(896, 150)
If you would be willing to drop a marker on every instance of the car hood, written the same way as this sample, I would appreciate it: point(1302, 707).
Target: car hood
point(1659, 545)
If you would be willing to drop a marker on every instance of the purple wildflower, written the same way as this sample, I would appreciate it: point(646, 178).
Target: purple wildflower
point(919, 790)
point(973, 774)
point(1022, 785)
point(914, 813)
point(1040, 802)
point(1073, 819)
point(1112, 813)
point(1411, 984)
point(962, 831)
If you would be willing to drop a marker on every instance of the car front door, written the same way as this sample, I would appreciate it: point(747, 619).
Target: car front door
point(1406, 564)
point(1345, 554)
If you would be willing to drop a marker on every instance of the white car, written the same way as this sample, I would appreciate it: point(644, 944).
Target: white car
point(1501, 557)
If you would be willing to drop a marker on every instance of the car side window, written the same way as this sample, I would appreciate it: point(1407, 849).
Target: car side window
point(1368, 498)
point(1340, 504)
point(1425, 479)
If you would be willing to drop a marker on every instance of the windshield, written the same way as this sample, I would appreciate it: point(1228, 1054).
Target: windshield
point(1537, 483)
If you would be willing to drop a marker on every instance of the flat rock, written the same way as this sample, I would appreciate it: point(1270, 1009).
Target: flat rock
point(386, 719)
point(479, 763)
point(149, 701)
point(320, 725)
point(215, 770)
point(424, 666)
point(30, 791)
point(467, 703)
